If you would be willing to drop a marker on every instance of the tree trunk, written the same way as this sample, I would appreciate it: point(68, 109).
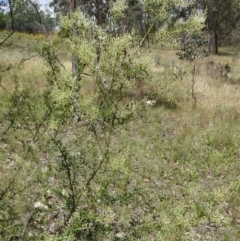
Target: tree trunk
point(216, 19)
point(97, 13)
point(212, 43)
point(75, 60)
point(216, 43)
point(73, 5)
point(98, 22)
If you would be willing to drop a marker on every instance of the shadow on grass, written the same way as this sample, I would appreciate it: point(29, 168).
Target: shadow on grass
point(225, 54)
point(160, 100)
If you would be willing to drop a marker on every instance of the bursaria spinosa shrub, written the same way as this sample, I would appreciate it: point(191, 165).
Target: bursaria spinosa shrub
point(90, 178)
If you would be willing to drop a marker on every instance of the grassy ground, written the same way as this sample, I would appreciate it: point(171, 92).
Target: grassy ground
point(189, 156)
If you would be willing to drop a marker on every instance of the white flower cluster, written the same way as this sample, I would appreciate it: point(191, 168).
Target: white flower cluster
point(150, 102)
point(120, 235)
point(39, 205)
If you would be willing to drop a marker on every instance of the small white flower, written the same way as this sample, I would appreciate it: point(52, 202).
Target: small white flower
point(64, 192)
point(120, 235)
point(45, 207)
point(38, 205)
point(150, 102)
point(48, 192)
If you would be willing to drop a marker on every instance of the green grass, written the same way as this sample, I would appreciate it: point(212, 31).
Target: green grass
point(187, 158)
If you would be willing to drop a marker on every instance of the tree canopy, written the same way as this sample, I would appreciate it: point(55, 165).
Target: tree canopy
point(24, 16)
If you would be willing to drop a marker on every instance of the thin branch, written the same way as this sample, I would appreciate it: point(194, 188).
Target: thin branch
point(193, 83)
point(36, 9)
point(20, 63)
point(3, 4)
point(4, 88)
point(39, 18)
point(9, 35)
point(140, 44)
point(28, 220)
point(43, 27)
point(3, 193)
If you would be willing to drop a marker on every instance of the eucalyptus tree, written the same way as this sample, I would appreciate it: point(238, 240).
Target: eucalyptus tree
point(96, 9)
point(222, 17)
point(23, 16)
